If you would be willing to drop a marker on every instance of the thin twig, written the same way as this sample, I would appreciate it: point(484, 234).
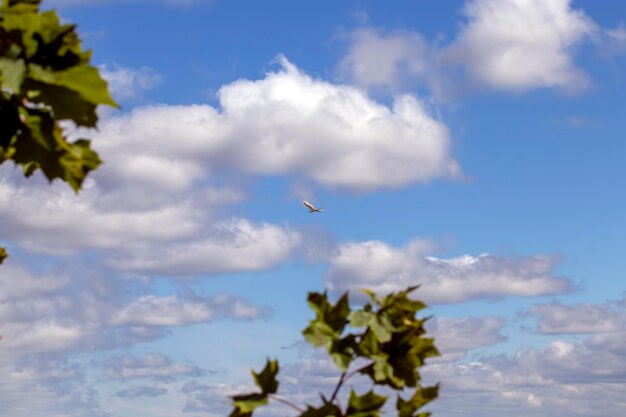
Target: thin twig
point(286, 402)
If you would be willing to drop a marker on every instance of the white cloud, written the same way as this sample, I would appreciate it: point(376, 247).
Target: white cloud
point(557, 318)
point(172, 310)
point(394, 62)
point(522, 44)
point(383, 268)
point(152, 206)
point(290, 123)
point(455, 336)
point(236, 245)
point(509, 45)
point(151, 365)
point(128, 83)
point(76, 312)
point(169, 234)
point(18, 283)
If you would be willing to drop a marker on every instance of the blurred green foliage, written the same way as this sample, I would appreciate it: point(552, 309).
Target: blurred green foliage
point(46, 78)
point(385, 333)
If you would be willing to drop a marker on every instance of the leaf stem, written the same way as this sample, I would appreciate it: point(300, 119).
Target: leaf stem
point(339, 384)
point(286, 402)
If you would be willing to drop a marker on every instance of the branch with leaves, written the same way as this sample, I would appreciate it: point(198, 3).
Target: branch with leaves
point(385, 332)
point(46, 78)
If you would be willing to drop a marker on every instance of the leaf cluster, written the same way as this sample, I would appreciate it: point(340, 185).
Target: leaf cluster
point(386, 334)
point(45, 78)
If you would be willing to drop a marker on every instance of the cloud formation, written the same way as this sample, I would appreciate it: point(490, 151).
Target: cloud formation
point(48, 318)
point(391, 62)
point(507, 45)
point(518, 45)
point(557, 318)
point(287, 123)
point(383, 268)
point(151, 365)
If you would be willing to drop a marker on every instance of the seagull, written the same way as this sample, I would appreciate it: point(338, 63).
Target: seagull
point(312, 208)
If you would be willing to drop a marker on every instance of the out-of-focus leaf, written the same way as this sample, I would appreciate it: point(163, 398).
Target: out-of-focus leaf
point(366, 405)
point(83, 79)
point(421, 397)
point(248, 402)
point(3, 254)
point(66, 104)
point(12, 73)
point(266, 379)
point(326, 410)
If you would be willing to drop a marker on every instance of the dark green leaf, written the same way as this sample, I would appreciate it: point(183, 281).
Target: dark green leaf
point(83, 79)
point(266, 379)
point(421, 397)
point(327, 410)
point(248, 402)
point(366, 405)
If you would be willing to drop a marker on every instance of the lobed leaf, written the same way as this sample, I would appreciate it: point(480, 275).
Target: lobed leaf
point(266, 379)
point(366, 405)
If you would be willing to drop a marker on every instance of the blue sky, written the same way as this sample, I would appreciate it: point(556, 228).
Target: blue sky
point(474, 147)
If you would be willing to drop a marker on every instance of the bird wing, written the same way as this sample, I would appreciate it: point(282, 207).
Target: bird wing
point(309, 205)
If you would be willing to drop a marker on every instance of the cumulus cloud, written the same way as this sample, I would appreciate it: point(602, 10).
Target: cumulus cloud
point(236, 245)
point(562, 379)
point(128, 83)
point(49, 318)
point(522, 44)
point(291, 123)
point(177, 235)
point(383, 268)
point(286, 123)
point(557, 318)
point(508, 45)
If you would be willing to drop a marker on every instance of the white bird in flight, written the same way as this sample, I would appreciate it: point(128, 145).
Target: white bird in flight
point(312, 208)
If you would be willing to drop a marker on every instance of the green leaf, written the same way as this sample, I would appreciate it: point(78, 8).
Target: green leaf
point(366, 405)
point(83, 79)
point(327, 410)
point(248, 402)
point(330, 320)
point(421, 397)
point(66, 104)
point(342, 351)
point(3, 254)
point(77, 162)
point(381, 329)
point(12, 72)
point(266, 379)
point(360, 318)
point(319, 334)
